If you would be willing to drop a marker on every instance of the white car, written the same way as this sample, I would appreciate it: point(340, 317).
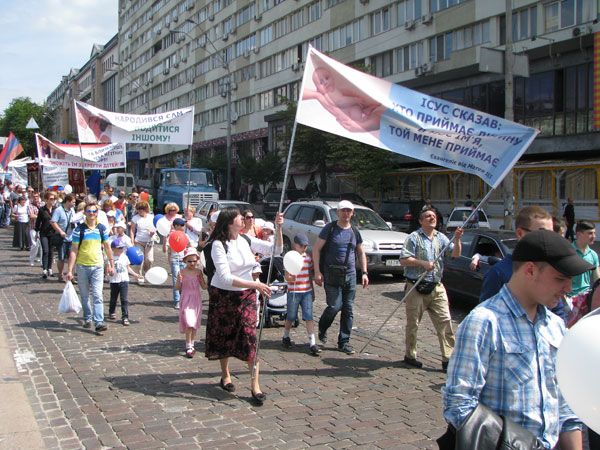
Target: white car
point(382, 245)
point(459, 215)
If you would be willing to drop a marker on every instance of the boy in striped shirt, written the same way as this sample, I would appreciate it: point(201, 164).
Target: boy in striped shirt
point(301, 294)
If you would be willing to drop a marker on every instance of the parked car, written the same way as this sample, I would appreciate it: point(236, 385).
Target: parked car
point(273, 197)
point(492, 245)
point(205, 207)
point(382, 245)
point(398, 213)
point(460, 214)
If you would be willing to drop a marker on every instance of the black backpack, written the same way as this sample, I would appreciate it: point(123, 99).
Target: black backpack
point(209, 266)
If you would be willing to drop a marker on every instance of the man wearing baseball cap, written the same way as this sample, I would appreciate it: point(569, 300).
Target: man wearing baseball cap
point(341, 245)
point(505, 353)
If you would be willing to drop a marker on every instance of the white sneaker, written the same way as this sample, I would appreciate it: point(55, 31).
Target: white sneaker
point(50, 272)
point(44, 274)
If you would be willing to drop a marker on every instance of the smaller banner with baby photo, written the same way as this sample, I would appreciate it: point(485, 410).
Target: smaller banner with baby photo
point(98, 126)
point(69, 156)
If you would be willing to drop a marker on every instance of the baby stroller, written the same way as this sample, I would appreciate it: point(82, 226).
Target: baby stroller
point(276, 306)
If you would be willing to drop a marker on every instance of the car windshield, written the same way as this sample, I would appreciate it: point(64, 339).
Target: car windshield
point(240, 206)
point(394, 209)
point(365, 219)
point(196, 178)
point(460, 215)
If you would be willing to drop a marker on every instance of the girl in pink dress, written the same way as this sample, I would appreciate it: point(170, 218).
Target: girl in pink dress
point(189, 281)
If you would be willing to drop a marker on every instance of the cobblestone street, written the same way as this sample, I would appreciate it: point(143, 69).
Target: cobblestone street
point(133, 388)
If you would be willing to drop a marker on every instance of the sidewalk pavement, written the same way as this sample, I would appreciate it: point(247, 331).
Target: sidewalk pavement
point(18, 427)
point(132, 387)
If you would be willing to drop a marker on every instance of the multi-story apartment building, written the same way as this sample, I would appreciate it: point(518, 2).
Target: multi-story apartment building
point(96, 83)
point(177, 53)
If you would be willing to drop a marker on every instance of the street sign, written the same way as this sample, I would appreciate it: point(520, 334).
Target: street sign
point(32, 124)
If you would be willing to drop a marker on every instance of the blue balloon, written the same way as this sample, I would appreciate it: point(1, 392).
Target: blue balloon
point(157, 218)
point(135, 255)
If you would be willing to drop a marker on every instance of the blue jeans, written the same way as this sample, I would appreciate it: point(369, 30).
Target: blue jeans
point(90, 280)
point(339, 298)
point(176, 266)
point(6, 217)
point(304, 300)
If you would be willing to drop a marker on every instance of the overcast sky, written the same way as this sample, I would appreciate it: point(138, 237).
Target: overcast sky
point(42, 40)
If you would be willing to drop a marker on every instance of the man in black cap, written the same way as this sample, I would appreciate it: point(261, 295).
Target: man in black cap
point(505, 352)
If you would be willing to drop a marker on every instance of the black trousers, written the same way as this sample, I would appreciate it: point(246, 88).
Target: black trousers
point(117, 289)
point(47, 252)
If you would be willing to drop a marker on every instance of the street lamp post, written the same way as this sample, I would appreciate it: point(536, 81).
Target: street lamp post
point(227, 91)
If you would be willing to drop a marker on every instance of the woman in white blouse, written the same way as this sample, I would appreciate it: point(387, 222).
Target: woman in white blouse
point(231, 323)
point(20, 215)
point(142, 233)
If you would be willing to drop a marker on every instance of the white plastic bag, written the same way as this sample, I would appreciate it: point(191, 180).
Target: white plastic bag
point(69, 301)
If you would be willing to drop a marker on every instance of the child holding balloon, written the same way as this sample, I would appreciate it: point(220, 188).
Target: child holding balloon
point(189, 281)
point(300, 292)
point(177, 244)
point(119, 281)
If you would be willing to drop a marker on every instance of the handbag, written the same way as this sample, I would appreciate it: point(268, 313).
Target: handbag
point(335, 275)
point(424, 287)
point(486, 430)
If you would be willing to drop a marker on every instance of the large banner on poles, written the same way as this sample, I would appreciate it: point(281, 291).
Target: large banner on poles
point(344, 101)
point(98, 126)
point(69, 156)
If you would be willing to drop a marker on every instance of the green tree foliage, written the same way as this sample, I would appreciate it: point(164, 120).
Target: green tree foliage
point(217, 163)
point(16, 116)
point(263, 172)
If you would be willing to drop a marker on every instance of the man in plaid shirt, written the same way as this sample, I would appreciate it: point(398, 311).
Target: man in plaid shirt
point(505, 352)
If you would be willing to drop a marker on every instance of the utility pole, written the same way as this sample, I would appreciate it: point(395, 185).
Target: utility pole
point(507, 185)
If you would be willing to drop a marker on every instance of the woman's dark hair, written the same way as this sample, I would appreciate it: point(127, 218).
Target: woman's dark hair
point(221, 231)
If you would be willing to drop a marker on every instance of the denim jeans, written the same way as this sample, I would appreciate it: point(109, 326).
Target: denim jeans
point(339, 299)
point(90, 280)
point(6, 217)
point(176, 266)
point(303, 300)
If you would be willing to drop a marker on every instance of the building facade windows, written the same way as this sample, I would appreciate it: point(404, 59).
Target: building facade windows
point(380, 21)
point(408, 10)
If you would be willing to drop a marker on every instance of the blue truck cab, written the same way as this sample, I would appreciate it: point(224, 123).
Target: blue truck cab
point(173, 186)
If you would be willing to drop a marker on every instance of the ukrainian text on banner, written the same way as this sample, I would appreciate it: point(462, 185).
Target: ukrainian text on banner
point(97, 126)
point(54, 176)
point(344, 101)
point(68, 156)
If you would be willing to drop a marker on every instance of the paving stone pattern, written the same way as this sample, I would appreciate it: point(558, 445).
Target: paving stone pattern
point(132, 387)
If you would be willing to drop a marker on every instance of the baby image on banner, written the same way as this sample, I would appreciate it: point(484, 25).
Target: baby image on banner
point(350, 103)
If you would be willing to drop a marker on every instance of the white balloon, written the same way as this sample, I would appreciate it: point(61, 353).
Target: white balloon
point(163, 226)
point(578, 366)
point(156, 275)
point(293, 262)
point(68, 189)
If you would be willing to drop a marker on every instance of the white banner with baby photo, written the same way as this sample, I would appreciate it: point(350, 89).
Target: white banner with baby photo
point(344, 101)
point(95, 125)
point(70, 156)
